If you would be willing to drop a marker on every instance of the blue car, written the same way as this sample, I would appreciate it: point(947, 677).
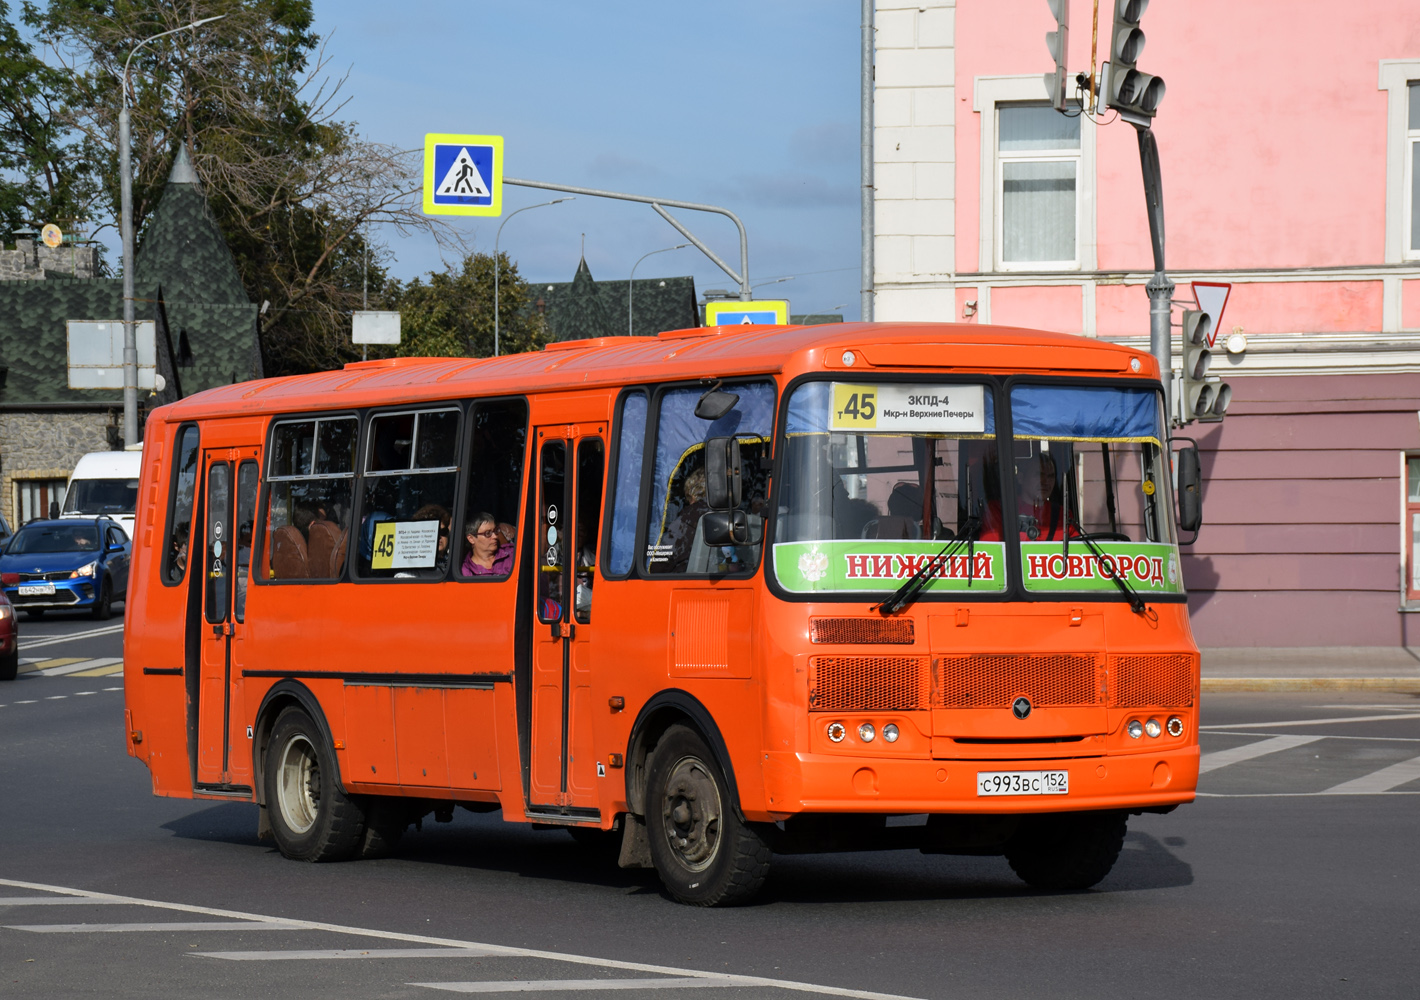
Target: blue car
point(73, 563)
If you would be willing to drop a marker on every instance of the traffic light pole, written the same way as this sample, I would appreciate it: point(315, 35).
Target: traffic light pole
point(1160, 288)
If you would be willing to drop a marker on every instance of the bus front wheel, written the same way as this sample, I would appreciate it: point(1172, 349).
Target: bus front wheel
point(311, 818)
point(1067, 851)
point(704, 853)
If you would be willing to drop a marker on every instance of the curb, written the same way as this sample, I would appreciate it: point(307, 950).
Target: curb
point(1396, 685)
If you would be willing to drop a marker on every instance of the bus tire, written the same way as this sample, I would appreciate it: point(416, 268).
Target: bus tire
point(1067, 851)
point(312, 819)
point(704, 853)
point(385, 822)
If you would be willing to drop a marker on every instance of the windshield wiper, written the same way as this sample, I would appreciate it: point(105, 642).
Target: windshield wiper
point(917, 582)
point(1135, 599)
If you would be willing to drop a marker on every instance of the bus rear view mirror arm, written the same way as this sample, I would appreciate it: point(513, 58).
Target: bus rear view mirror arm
point(723, 478)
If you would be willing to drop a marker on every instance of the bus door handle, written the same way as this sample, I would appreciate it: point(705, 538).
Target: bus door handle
point(564, 630)
point(219, 630)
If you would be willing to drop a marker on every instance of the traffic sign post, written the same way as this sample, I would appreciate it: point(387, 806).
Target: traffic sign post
point(463, 174)
point(767, 312)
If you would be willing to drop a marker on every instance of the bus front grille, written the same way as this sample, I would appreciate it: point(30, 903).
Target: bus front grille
point(863, 631)
point(869, 683)
point(993, 680)
point(1144, 681)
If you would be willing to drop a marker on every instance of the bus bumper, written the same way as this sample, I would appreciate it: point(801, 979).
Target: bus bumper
point(821, 783)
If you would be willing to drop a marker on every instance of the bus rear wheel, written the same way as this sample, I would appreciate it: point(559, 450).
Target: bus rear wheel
point(1067, 851)
point(312, 819)
point(704, 853)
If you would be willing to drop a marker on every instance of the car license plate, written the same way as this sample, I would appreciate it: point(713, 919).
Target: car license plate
point(1022, 782)
point(36, 589)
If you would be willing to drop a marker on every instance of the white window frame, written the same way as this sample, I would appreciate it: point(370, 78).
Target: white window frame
point(988, 93)
point(1396, 75)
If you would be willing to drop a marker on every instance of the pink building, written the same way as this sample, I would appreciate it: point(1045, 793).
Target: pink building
point(1290, 144)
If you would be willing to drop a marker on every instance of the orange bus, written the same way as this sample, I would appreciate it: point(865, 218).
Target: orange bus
point(720, 594)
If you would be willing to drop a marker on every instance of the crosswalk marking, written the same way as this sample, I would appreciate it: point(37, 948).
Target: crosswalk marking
point(549, 985)
point(37, 666)
point(334, 953)
point(1310, 722)
point(74, 666)
point(107, 670)
point(1379, 781)
point(52, 640)
point(191, 925)
point(1248, 751)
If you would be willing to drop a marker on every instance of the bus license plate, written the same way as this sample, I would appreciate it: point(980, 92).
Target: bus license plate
point(1022, 782)
point(36, 589)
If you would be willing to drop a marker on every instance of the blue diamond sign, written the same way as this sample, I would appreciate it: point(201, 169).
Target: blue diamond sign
point(463, 174)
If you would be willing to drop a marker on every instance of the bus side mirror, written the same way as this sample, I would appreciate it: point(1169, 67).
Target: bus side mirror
point(726, 527)
point(723, 479)
point(1190, 492)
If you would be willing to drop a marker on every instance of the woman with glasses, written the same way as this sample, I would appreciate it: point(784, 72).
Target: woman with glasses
point(490, 546)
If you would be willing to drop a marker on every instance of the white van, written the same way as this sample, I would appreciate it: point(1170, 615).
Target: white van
point(105, 482)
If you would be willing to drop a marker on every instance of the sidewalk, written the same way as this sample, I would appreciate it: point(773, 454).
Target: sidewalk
point(1328, 668)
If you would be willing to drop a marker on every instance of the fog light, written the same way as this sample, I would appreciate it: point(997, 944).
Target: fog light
point(1153, 728)
point(1175, 726)
point(1134, 729)
point(890, 733)
point(866, 732)
point(836, 732)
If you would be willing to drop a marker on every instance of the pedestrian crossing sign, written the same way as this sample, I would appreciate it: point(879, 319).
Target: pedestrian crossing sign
point(732, 312)
point(463, 174)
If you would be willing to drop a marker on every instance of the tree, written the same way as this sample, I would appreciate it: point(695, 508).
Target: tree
point(295, 189)
point(451, 314)
point(47, 177)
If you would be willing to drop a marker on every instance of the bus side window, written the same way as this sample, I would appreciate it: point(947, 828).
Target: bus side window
point(626, 491)
point(498, 444)
point(184, 490)
point(411, 472)
point(311, 471)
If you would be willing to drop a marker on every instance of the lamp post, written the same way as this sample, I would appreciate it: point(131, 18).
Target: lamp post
point(631, 285)
point(497, 268)
point(125, 184)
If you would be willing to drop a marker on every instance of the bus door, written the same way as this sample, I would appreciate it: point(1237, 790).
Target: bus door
point(570, 473)
point(231, 475)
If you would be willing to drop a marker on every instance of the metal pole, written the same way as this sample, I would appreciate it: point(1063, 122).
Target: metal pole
point(125, 186)
point(497, 266)
point(868, 192)
point(631, 285)
point(741, 279)
point(1160, 288)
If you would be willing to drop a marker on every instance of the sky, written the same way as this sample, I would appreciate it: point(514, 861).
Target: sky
point(751, 105)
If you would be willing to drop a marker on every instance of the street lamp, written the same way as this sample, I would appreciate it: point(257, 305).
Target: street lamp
point(125, 184)
point(631, 285)
point(774, 281)
point(497, 266)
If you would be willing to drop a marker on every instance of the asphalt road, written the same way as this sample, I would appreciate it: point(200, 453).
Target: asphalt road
point(1295, 875)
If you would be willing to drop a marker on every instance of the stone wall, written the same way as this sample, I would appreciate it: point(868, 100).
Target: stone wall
point(47, 446)
point(29, 260)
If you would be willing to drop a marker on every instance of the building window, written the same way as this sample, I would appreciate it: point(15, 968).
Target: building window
point(1038, 166)
point(1412, 167)
point(39, 498)
point(1411, 561)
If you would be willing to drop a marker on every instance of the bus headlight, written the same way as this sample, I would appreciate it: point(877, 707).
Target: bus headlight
point(836, 732)
point(1175, 726)
point(1135, 729)
point(866, 732)
point(1153, 728)
point(890, 733)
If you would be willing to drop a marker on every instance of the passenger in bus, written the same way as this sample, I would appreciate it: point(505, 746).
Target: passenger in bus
point(681, 533)
point(432, 512)
point(490, 546)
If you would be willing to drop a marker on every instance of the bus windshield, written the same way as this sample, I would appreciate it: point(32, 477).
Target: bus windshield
point(101, 496)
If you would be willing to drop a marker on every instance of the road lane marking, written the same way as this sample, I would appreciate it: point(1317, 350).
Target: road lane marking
point(317, 954)
point(1379, 781)
point(108, 671)
point(1234, 755)
point(54, 640)
point(56, 901)
point(1308, 722)
point(36, 666)
point(494, 949)
point(549, 985)
point(55, 697)
point(113, 689)
point(189, 925)
point(1338, 736)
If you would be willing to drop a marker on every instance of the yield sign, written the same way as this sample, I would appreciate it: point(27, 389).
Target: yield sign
point(1212, 298)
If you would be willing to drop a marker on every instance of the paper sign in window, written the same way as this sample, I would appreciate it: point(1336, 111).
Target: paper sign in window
point(405, 545)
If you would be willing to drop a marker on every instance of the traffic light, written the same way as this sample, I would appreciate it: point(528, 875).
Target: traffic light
point(1058, 41)
point(1204, 398)
point(1133, 94)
